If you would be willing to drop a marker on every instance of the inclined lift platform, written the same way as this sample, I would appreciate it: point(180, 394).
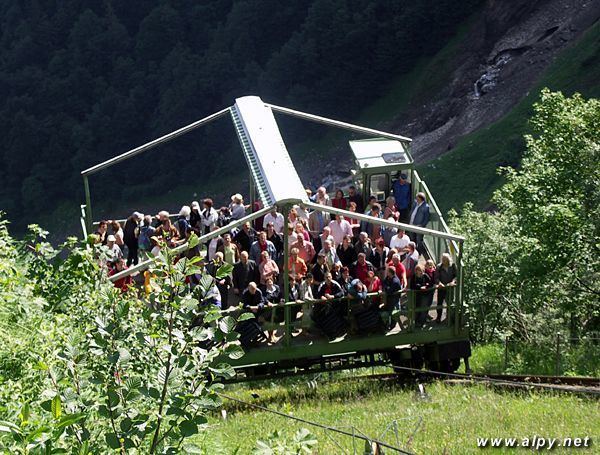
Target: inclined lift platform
point(274, 181)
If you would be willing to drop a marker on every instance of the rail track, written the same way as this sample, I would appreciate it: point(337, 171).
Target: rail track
point(572, 384)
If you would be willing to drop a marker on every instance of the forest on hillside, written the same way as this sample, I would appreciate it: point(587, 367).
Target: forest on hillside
point(83, 81)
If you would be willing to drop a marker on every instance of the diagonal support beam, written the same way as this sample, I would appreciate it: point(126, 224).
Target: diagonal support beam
point(154, 143)
point(337, 123)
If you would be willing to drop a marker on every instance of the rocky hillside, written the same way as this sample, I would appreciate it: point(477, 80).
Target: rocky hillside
point(500, 59)
point(488, 75)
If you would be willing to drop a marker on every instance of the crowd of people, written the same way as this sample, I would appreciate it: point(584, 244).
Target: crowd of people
point(330, 258)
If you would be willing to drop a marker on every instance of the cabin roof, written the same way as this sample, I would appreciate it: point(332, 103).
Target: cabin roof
point(380, 153)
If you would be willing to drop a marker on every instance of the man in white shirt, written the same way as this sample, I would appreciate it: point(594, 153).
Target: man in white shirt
point(276, 218)
point(400, 241)
point(339, 228)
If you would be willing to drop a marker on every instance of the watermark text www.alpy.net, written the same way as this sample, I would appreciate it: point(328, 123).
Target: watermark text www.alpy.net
point(535, 443)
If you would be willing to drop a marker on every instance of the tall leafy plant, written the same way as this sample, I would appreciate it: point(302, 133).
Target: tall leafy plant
point(138, 376)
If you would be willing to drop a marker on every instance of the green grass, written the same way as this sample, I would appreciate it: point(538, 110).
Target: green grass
point(469, 171)
point(452, 416)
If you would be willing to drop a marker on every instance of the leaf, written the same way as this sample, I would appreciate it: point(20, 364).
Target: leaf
point(112, 440)
point(85, 448)
point(193, 449)
point(9, 427)
point(70, 419)
point(113, 398)
point(224, 271)
point(25, 414)
point(223, 369)
point(234, 351)
point(188, 428)
point(103, 411)
point(174, 410)
point(210, 402)
point(162, 375)
point(56, 407)
point(227, 324)
point(154, 393)
point(124, 356)
point(193, 241)
point(245, 316)
point(125, 424)
point(133, 383)
point(206, 282)
point(181, 265)
point(305, 438)
point(200, 419)
point(211, 315)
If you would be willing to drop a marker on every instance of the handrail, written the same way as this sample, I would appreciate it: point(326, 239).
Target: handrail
point(383, 222)
point(185, 246)
point(123, 220)
point(405, 291)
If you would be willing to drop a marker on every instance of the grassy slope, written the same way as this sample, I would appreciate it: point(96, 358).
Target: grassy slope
point(453, 416)
point(469, 171)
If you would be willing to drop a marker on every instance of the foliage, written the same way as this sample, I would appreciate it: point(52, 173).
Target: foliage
point(533, 267)
point(302, 442)
point(543, 356)
point(61, 281)
point(104, 370)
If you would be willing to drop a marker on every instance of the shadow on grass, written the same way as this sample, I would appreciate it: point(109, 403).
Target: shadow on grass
point(354, 389)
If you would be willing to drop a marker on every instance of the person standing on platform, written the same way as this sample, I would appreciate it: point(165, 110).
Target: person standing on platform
point(402, 194)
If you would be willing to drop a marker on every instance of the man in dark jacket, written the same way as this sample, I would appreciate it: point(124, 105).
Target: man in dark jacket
point(245, 237)
point(391, 288)
point(318, 271)
point(130, 235)
point(277, 241)
point(353, 196)
point(419, 217)
point(253, 299)
point(329, 289)
point(244, 271)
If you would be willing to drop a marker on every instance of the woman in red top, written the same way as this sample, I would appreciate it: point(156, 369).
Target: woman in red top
point(122, 283)
point(339, 201)
point(374, 285)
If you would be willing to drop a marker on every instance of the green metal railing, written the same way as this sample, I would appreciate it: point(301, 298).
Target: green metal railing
point(435, 245)
point(408, 309)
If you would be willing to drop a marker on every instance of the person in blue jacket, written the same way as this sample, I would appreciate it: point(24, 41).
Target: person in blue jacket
point(402, 191)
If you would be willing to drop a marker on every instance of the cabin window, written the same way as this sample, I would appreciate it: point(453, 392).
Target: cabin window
point(379, 186)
